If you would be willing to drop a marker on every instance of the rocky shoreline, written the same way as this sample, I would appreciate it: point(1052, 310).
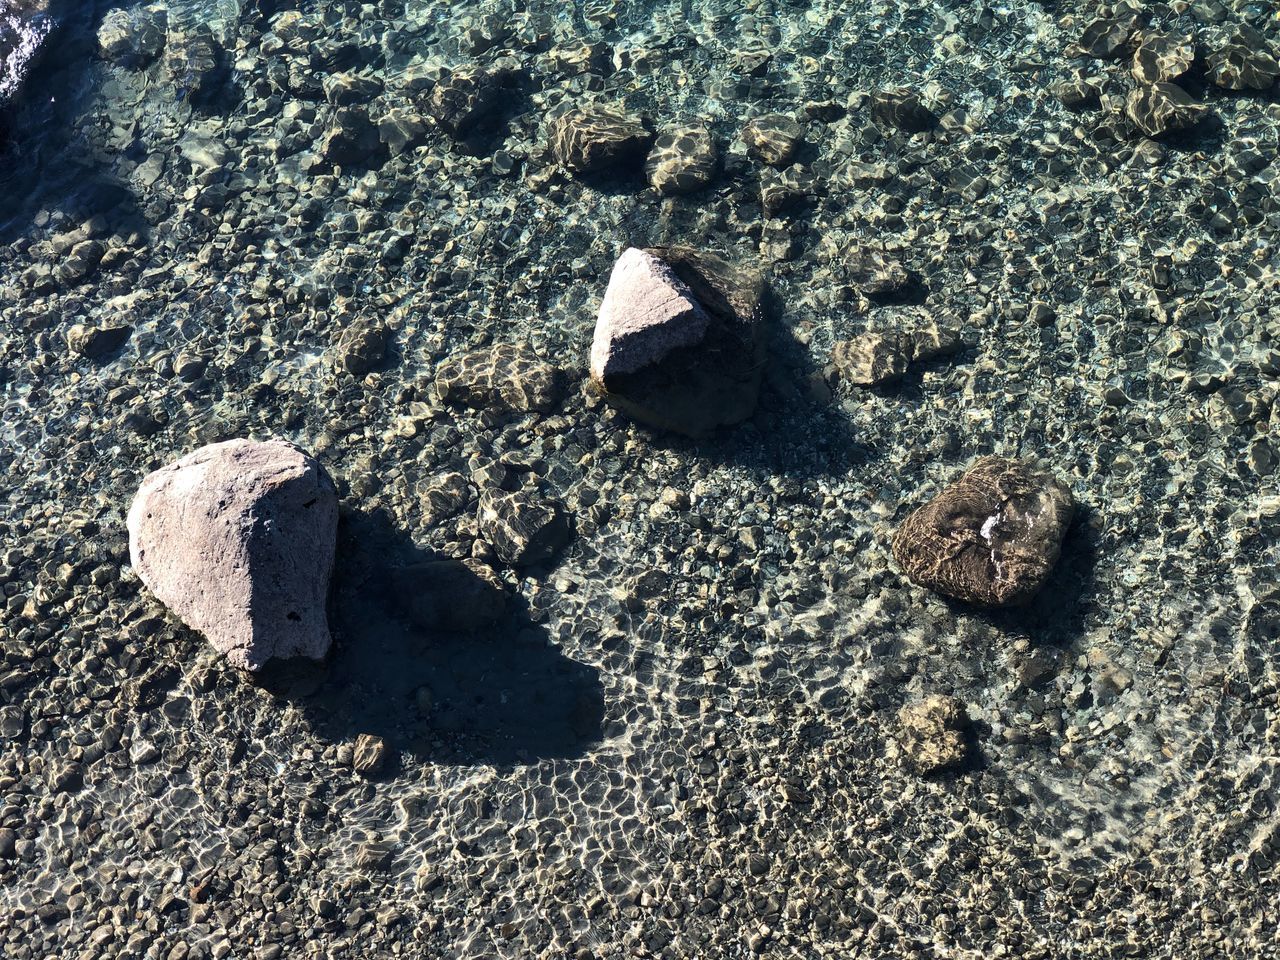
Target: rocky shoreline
point(698, 708)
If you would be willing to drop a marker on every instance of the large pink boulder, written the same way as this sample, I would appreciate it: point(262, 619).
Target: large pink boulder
point(238, 539)
point(647, 312)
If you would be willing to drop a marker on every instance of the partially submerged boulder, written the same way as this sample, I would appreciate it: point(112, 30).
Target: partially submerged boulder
point(992, 537)
point(238, 539)
point(679, 342)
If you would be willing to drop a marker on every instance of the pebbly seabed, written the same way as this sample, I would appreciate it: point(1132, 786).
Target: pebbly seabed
point(709, 715)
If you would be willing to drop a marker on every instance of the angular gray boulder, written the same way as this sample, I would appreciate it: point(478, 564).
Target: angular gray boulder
point(646, 313)
point(238, 539)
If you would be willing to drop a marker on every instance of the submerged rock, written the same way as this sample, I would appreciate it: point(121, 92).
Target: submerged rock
point(1107, 38)
point(596, 138)
point(682, 160)
point(362, 346)
point(1163, 56)
point(934, 734)
point(773, 138)
point(237, 539)
point(506, 377)
point(875, 272)
point(992, 537)
point(95, 342)
point(1164, 108)
point(870, 359)
point(132, 37)
point(368, 755)
point(524, 528)
point(678, 343)
point(465, 98)
point(902, 108)
point(1244, 62)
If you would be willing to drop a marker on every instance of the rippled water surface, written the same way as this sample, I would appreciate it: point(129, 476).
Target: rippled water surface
point(682, 738)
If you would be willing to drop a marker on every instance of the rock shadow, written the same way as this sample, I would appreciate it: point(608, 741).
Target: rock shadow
point(503, 694)
point(1056, 616)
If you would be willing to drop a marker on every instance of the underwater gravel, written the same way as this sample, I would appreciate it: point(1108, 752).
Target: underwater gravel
point(682, 737)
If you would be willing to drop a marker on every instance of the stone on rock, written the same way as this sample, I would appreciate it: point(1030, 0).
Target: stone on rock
point(237, 539)
point(693, 389)
point(992, 537)
point(934, 734)
point(524, 528)
point(647, 312)
point(595, 138)
point(454, 595)
point(773, 138)
point(95, 342)
point(1246, 61)
point(352, 140)
point(1163, 108)
point(506, 377)
point(682, 160)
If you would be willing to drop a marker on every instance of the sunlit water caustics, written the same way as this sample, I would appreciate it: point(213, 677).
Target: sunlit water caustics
point(682, 737)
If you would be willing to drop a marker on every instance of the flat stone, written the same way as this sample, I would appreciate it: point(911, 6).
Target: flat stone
point(1163, 108)
point(647, 312)
point(934, 734)
point(506, 377)
point(773, 138)
point(595, 138)
point(238, 539)
point(682, 160)
point(992, 537)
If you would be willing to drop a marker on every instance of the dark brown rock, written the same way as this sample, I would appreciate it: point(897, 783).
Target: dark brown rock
point(992, 537)
point(934, 734)
point(524, 528)
point(1106, 38)
point(773, 138)
point(871, 359)
point(902, 108)
point(1246, 61)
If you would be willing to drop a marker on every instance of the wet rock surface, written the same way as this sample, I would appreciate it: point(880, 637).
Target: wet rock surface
point(237, 540)
point(682, 160)
point(523, 527)
point(1244, 61)
point(990, 538)
point(1164, 108)
point(773, 138)
point(25, 26)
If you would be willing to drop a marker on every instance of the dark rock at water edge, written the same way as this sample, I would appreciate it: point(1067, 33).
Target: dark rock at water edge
point(715, 381)
point(992, 537)
point(25, 28)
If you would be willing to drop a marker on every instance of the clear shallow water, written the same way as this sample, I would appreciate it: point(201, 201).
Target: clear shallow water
point(682, 739)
